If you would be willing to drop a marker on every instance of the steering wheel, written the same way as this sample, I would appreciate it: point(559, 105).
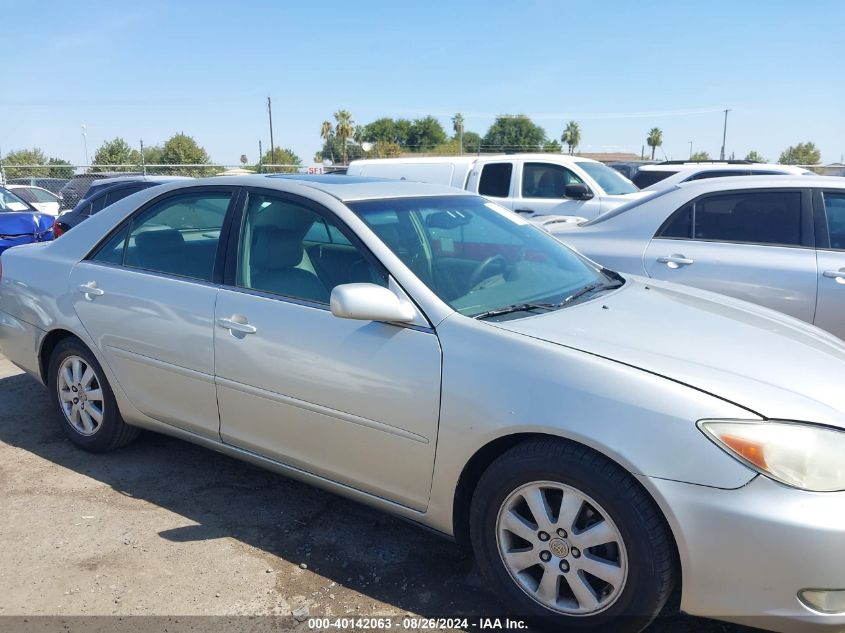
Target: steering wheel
point(493, 265)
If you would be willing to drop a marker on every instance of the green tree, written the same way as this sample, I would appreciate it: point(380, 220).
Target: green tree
point(327, 134)
point(387, 130)
point(571, 136)
point(458, 127)
point(700, 155)
point(472, 142)
point(284, 156)
point(654, 139)
point(514, 133)
point(244, 160)
point(755, 157)
point(181, 149)
point(32, 156)
point(344, 127)
point(801, 154)
point(553, 146)
point(116, 155)
point(60, 168)
point(425, 133)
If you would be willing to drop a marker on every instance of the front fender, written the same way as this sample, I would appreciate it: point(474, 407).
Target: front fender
point(497, 383)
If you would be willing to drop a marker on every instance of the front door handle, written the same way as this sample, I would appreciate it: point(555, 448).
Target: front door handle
point(234, 325)
point(90, 290)
point(836, 275)
point(676, 261)
point(528, 211)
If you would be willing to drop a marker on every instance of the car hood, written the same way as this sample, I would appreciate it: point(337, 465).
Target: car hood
point(769, 363)
point(25, 223)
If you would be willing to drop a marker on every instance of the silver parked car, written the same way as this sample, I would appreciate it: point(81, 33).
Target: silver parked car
point(778, 241)
point(434, 355)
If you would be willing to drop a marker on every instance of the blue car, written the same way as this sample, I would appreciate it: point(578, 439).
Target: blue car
point(20, 223)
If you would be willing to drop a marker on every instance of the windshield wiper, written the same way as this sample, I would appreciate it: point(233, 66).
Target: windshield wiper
point(517, 307)
point(597, 285)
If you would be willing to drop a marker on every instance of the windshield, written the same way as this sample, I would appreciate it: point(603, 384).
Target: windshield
point(613, 183)
point(477, 256)
point(11, 202)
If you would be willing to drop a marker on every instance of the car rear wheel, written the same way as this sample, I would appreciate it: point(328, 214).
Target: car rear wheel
point(570, 540)
point(84, 400)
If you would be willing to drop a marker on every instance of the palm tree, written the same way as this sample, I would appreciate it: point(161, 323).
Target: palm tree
point(343, 129)
point(572, 135)
point(654, 139)
point(326, 133)
point(458, 126)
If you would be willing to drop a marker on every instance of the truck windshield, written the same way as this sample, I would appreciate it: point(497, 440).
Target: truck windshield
point(480, 258)
point(613, 183)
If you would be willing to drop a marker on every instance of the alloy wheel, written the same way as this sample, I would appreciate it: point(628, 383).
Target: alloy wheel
point(561, 548)
point(80, 395)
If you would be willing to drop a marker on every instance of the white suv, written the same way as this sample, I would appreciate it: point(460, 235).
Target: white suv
point(670, 173)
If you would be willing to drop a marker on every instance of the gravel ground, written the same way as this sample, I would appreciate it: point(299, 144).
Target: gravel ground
point(165, 528)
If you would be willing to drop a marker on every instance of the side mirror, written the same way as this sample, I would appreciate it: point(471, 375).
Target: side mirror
point(578, 191)
point(369, 302)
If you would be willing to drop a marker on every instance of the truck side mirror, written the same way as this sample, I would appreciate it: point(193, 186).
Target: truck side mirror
point(578, 191)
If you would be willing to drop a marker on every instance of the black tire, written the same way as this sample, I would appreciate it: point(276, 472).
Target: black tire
point(112, 432)
point(649, 548)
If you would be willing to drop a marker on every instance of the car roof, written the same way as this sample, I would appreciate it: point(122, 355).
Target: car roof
point(138, 178)
point(716, 166)
point(14, 185)
point(344, 188)
point(762, 182)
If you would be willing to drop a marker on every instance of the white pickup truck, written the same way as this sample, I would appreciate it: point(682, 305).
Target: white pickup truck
point(532, 184)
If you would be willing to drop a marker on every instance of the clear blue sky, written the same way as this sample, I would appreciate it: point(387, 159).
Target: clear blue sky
point(150, 69)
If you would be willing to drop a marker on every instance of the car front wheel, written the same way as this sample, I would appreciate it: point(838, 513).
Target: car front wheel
point(84, 401)
point(570, 540)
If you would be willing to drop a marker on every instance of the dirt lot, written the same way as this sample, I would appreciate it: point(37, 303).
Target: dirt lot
point(162, 527)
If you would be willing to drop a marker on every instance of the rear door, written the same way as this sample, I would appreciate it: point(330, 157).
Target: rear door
point(146, 297)
point(830, 307)
point(496, 181)
point(753, 244)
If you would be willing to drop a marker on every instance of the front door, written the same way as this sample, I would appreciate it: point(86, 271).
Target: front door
point(356, 402)
point(830, 309)
point(542, 191)
point(754, 245)
point(146, 297)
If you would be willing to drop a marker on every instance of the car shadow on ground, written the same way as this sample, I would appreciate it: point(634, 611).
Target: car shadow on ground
point(381, 557)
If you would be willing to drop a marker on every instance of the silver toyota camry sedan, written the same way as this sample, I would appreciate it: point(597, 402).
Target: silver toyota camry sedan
point(598, 439)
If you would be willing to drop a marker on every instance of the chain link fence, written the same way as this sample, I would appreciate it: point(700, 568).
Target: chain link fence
point(68, 183)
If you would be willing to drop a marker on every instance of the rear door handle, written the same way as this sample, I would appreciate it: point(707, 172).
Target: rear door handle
point(90, 290)
point(676, 261)
point(236, 326)
point(838, 275)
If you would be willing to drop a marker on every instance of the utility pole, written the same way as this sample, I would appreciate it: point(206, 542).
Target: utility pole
point(272, 143)
point(143, 160)
point(724, 135)
point(85, 144)
point(690, 150)
point(260, 157)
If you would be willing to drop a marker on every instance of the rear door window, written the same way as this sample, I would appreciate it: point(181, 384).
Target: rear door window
point(495, 180)
point(756, 217)
point(178, 235)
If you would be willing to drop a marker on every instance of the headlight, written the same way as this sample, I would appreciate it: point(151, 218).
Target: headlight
point(799, 455)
